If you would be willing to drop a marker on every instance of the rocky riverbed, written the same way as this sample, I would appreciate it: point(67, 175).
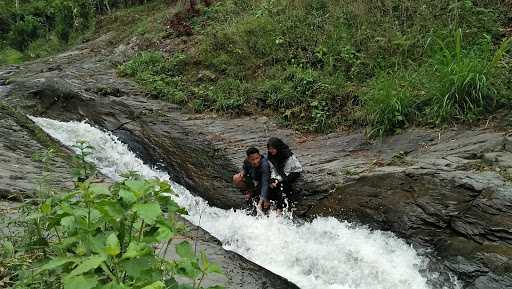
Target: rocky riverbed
point(449, 191)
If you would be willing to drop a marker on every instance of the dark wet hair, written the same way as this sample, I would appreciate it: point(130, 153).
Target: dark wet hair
point(283, 153)
point(252, 150)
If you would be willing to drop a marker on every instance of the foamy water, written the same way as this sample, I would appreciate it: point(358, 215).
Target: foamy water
point(322, 254)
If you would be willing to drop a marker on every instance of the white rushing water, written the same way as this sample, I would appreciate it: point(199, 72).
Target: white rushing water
point(322, 254)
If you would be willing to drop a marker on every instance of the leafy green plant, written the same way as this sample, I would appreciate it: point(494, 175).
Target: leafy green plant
point(318, 64)
point(115, 236)
point(30, 24)
point(45, 157)
point(103, 236)
point(82, 169)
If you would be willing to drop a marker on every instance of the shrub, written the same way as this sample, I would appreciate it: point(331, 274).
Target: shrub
point(305, 98)
point(154, 63)
point(24, 32)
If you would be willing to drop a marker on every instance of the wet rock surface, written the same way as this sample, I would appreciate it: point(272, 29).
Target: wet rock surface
point(447, 190)
point(21, 174)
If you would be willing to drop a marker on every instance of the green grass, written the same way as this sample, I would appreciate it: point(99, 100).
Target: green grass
point(146, 22)
point(390, 103)
point(465, 87)
point(10, 56)
point(323, 64)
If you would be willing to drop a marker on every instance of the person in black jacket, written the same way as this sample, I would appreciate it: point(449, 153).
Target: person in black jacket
point(285, 168)
point(254, 179)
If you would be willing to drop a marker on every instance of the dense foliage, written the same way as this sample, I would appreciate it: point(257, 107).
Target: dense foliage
point(101, 236)
point(323, 64)
point(36, 28)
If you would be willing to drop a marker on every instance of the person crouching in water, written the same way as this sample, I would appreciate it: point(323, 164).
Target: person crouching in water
point(254, 179)
point(285, 170)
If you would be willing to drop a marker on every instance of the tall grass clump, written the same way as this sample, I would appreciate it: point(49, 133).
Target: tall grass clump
point(390, 103)
point(464, 86)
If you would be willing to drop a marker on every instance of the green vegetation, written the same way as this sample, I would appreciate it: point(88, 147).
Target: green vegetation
point(319, 65)
point(37, 28)
point(101, 236)
point(316, 65)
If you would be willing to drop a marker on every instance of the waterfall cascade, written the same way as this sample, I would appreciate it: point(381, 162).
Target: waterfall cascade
point(322, 254)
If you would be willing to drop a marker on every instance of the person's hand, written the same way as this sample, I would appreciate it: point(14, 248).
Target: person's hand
point(274, 184)
point(247, 196)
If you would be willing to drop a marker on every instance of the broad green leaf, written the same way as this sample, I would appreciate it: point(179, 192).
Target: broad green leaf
point(99, 189)
point(187, 268)
point(96, 243)
point(68, 221)
point(148, 212)
point(214, 268)
point(138, 187)
point(111, 209)
point(88, 264)
point(173, 207)
point(184, 250)
point(207, 266)
point(95, 215)
point(203, 261)
point(156, 285)
point(55, 263)
point(112, 247)
point(127, 196)
point(67, 242)
point(136, 249)
point(138, 267)
point(165, 187)
point(80, 282)
point(164, 233)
